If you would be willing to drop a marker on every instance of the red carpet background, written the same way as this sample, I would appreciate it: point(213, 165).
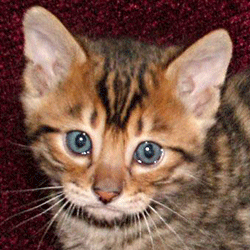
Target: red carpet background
point(158, 21)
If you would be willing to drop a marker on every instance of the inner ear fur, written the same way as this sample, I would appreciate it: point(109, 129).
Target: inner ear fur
point(50, 50)
point(199, 72)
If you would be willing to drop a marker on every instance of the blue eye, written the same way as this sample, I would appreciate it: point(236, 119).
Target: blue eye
point(148, 153)
point(79, 142)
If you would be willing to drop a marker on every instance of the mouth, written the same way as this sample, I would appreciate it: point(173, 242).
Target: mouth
point(102, 216)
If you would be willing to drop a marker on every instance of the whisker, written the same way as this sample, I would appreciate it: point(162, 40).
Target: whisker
point(197, 179)
point(31, 190)
point(125, 235)
point(72, 209)
point(171, 210)
point(23, 147)
point(155, 226)
point(140, 228)
point(38, 200)
point(205, 234)
point(32, 218)
point(20, 145)
point(41, 183)
point(149, 230)
point(50, 224)
point(169, 227)
point(61, 222)
point(31, 209)
point(131, 222)
point(82, 214)
point(135, 234)
point(116, 227)
point(64, 219)
point(78, 212)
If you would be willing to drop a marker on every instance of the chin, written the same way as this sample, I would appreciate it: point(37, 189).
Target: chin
point(105, 213)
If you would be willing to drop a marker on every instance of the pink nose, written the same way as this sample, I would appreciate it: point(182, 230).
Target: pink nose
point(105, 197)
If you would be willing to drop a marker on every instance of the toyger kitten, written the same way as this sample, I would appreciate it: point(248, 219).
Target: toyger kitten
point(150, 149)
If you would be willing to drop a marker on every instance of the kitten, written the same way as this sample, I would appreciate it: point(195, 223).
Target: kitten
point(151, 149)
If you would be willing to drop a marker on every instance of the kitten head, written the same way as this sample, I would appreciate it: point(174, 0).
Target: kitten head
point(118, 123)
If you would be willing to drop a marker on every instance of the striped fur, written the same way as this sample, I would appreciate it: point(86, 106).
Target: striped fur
point(122, 93)
point(127, 69)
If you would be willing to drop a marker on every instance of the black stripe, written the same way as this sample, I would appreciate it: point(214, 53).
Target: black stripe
point(125, 91)
point(236, 137)
point(93, 117)
point(210, 147)
point(141, 80)
point(187, 156)
point(137, 99)
point(243, 89)
point(103, 93)
point(121, 97)
point(43, 129)
point(231, 124)
point(117, 86)
point(154, 78)
point(75, 111)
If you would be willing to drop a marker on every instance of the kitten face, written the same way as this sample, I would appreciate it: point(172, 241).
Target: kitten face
point(119, 124)
point(111, 163)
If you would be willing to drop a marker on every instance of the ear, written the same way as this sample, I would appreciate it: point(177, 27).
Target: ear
point(199, 72)
point(50, 49)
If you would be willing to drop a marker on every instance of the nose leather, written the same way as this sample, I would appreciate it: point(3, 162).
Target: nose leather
point(104, 196)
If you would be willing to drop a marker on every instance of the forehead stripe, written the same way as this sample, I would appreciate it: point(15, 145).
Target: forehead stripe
point(141, 79)
point(118, 96)
point(103, 92)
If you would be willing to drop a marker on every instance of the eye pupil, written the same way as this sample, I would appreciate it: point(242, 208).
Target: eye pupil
point(149, 151)
point(80, 141)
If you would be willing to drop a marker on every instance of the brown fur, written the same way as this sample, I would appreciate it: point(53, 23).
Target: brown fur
point(122, 93)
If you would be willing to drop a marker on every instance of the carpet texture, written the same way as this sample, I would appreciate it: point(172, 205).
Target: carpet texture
point(158, 21)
